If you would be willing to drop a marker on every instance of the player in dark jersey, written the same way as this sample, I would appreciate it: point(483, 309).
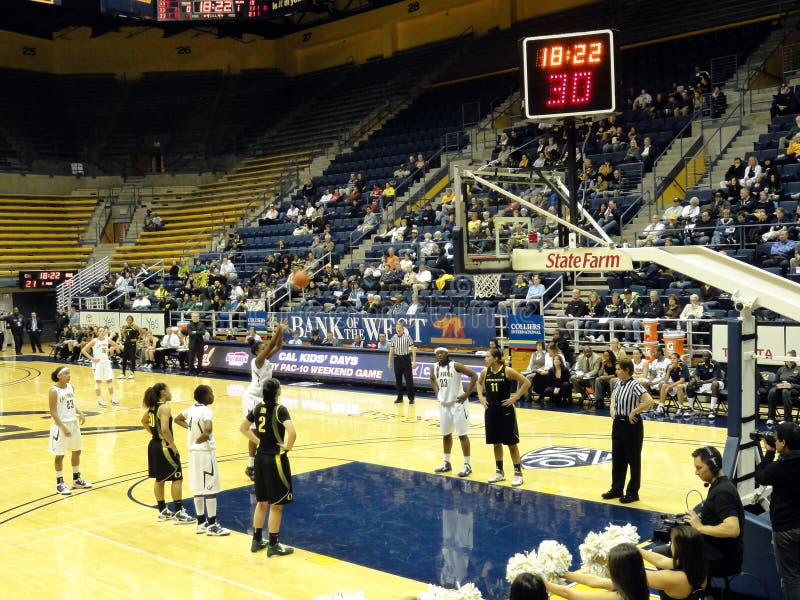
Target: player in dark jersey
point(163, 460)
point(275, 434)
point(498, 398)
point(129, 336)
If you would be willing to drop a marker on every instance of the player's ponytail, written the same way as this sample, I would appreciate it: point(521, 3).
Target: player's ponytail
point(152, 394)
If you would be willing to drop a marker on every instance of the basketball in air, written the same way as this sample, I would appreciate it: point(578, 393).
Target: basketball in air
point(301, 278)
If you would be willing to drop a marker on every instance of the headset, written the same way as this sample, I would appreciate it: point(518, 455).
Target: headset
point(712, 458)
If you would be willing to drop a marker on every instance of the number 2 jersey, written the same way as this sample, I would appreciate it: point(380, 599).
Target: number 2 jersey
point(269, 426)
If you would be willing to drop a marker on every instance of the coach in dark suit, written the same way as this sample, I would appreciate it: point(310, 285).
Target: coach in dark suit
point(196, 332)
point(17, 323)
point(35, 332)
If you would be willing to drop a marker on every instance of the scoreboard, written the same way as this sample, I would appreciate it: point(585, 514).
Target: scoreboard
point(213, 10)
point(571, 74)
point(35, 280)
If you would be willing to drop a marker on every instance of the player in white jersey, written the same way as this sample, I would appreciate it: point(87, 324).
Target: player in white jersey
point(453, 406)
point(97, 352)
point(260, 371)
point(65, 431)
point(203, 468)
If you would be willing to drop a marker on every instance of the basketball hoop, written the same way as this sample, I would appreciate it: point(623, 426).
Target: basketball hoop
point(487, 285)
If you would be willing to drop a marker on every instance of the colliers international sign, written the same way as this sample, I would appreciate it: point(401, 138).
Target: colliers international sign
point(571, 259)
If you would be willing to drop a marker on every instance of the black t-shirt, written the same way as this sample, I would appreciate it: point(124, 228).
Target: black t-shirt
point(269, 426)
point(725, 555)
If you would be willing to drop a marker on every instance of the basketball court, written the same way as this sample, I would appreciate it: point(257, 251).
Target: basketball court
point(369, 513)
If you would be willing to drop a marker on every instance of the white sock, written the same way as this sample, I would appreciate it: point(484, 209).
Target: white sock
point(466, 460)
point(447, 458)
point(211, 507)
point(199, 509)
point(713, 403)
point(251, 461)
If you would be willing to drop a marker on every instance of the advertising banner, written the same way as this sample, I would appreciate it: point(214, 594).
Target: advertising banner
point(469, 331)
point(341, 365)
point(525, 330)
point(154, 321)
point(773, 340)
point(595, 260)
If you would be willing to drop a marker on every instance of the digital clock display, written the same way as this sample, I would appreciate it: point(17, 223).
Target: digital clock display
point(570, 74)
point(31, 280)
point(198, 10)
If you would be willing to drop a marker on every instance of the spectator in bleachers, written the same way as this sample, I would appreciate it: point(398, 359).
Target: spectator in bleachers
point(613, 315)
point(786, 140)
point(309, 191)
point(293, 213)
point(691, 212)
point(373, 306)
point(633, 154)
point(227, 269)
point(595, 309)
point(692, 310)
point(632, 312)
point(760, 226)
point(751, 172)
point(717, 205)
point(415, 306)
point(302, 229)
point(703, 230)
point(648, 155)
point(574, 311)
point(653, 229)
point(724, 230)
point(719, 103)
point(793, 150)
point(781, 252)
point(784, 102)
point(423, 278)
point(399, 306)
point(675, 210)
point(642, 101)
point(142, 302)
point(782, 221)
point(610, 218)
point(392, 277)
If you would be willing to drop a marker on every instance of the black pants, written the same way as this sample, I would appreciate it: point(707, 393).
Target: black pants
point(402, 368)
point(36, 342)
point(18, 340)
point(626, 449)
point(129, 356)
point(786, 397)
point(196, 356)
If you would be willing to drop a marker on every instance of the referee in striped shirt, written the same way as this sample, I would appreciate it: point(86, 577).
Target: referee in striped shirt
point(628, 399)
point(402, 358)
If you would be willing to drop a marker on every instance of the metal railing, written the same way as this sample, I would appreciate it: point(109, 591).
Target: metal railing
point(82, 282)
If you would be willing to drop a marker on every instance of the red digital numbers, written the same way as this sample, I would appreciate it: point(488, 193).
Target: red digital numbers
point(566, 89)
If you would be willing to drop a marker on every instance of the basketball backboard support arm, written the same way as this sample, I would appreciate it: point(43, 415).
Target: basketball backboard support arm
point(603, 241)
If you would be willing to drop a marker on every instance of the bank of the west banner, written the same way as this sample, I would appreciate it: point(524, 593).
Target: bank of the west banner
point(467, 331)
point(525, 330)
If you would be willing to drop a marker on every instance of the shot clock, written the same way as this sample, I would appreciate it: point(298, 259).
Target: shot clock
point(571, 74)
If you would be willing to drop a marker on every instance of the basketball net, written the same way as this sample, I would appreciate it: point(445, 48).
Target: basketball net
point(487, 285)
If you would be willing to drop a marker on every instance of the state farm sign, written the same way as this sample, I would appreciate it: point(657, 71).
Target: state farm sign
point(571, 259)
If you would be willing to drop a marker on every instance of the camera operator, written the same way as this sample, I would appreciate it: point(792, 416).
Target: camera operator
point(783, 475)
point(721, 517)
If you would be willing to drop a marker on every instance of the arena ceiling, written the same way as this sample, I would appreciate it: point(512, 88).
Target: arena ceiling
point(43, 19)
